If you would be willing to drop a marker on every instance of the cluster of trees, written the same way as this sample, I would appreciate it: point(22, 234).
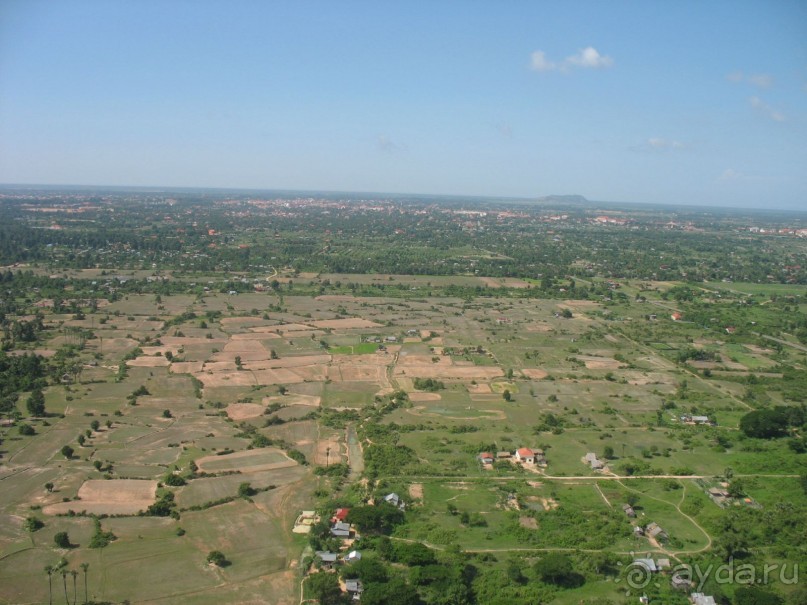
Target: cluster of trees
point(773, 422)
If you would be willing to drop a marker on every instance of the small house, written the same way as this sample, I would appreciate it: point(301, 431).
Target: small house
point(638, 531)
point(485, 458)
point(676, 316)
point(327, 558)
point(525, 455)
point(340, 529)
point(503, 455)
point(354, 589)
point(395, 500)
point(340, 514)
point(352, 556)
point(595, 463)
point(654, 531)
point(663, 564)
point(698, 598)
point(629, 510)
point(647, 563)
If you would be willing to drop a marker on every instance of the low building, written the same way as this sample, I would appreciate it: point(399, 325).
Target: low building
point(485, 458)
point(340, 515)
point(340, 529)
point(525, 455)
point(646, 563)
point(663, 564)
point(503, 455)
point(352, 556)
point(595, 463)
point(629, 510)
point(653, 530)
point(327, 558)
point(354, 589)
point(698, 598)
point(395, 500)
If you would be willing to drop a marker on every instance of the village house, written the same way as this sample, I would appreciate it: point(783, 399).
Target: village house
point(525, 455)
point(654, 531)
point(340, 529)
point(676, 316)
point(327, 558)
point(647, 563)
point(353, 556)
point(340, 515)
point(485, 458)
point(698, 598)
point(629, 510)
point(395, 500)
point(503, 455)
point(595, 463)
point(354, 589)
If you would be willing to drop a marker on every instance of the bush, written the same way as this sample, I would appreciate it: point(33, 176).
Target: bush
point(216, 557)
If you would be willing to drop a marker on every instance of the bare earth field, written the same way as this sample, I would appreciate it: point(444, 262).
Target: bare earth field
point(116, 497)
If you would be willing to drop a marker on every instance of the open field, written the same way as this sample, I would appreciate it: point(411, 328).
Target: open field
point(302, 380)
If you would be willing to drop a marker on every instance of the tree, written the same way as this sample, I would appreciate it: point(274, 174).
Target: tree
point(67, 452)
point(764, 424)
point(49, 571)
point(506, 395)
point(32, 524)
point(36, 403)
point(74, 573)
point(755, 595)
point(167, 414)
point(608, 452)
point(216, 557)
point(394, 592)
point(26, 429)
point(245, 490)
point(64, 581)
point(95, 425)
point(62, 540)
point(324, 587)
point(736, 489)
point(557, 569)
point(84, 568)
point(49, 487)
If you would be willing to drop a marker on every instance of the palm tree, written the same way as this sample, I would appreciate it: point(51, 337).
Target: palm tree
point(74, 573)
point(64, 581)
point(84, 568)
point(49, 571)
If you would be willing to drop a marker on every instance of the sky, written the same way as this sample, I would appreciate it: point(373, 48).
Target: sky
point(674, 102)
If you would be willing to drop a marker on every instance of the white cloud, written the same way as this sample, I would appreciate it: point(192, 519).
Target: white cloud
point(758, 80)
point(766, 110)
point(586, 58)
point(589, 58)
point(729, 174)
point(663, 144)
point(540, 62)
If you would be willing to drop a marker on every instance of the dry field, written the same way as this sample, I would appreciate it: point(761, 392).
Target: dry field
point(114, 497)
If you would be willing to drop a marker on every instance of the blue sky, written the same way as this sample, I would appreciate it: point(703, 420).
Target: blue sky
point(686, 102)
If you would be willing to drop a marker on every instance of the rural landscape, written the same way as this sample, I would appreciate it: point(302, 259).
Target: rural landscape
point(236, 397)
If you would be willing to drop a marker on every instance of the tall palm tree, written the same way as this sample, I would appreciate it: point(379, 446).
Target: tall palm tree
point(64, 581)
point(74, 573)
point(49, 571)
point(84, 568)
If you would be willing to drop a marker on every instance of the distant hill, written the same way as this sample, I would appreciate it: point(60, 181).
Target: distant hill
point(563, 199)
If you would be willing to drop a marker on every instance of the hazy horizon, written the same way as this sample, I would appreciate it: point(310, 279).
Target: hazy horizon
point(685, 104)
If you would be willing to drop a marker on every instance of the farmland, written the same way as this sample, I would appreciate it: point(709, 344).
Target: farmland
point(210, 390)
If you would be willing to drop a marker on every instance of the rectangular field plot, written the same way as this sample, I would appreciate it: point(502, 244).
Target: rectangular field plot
point(248, 461)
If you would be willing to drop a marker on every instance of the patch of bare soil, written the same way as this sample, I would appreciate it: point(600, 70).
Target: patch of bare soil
point(534, 373)
point(416, 491)
point(244, 411)
point(425, 396)
point(113, 497)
